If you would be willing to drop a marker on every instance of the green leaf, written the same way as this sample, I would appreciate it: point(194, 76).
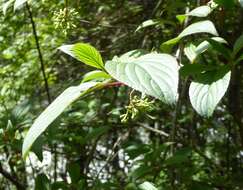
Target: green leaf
point(220, 48)
point(239, 59)
point(74, 172)
point(192, 69)
point(181, 18)
point(208, 90)
point(238, 45)
point(95, 75)
point(147, 186)
point(37, 148)
point(199, 27)
point(152, 74)
point(52, 112)
point(96, 132)
point(59, 185)
point(202, 11)
point(141, 171)
point(225, 3)
point(136, 150)
point(168, 45)
point(84, 53)
point(180, 157)
point(19, 3)
point(42, 182)
point(147, 23)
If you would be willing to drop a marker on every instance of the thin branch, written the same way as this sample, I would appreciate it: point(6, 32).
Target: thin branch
point(39, 52)
point(113, 153)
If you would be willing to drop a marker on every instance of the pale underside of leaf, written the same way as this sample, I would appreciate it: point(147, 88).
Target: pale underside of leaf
point(52, 112)
point(152, 74)
point(199, 27)
point(202, 47)
point(147, 23)
point(18, 4)
point(195, 28)
point(201, 11)
point(205, 97)
point(190, 52)
point(241, 2)
point(147, 186)
point(193, 52)
point(6, 5)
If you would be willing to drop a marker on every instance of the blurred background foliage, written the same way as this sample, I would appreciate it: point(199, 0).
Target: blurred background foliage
point(89, 147)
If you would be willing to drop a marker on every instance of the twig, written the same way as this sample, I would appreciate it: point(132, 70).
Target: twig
point(39, 52)
point(113, 153)
point(154, 130)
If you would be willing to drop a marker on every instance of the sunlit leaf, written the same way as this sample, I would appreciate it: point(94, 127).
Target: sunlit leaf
point(202, 47)
point(195, 28)
point(190, 52)
point(152, 74)
point(241, 2)
point(147, 23)
point(147, 186)
point(6, 5)
point(181, 18)
point(52, 112)
point(84, 53)
point(19, 3)
point(199, 27)
point(208, 90)
point(202, 11)
point(193, 52)
point(95, 75)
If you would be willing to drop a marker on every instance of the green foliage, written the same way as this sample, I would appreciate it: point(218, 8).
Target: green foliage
point(84, 53)
point(238, 45)
point(95, 75)
point(123, 133)
point(195, 28)
point(53, 111)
